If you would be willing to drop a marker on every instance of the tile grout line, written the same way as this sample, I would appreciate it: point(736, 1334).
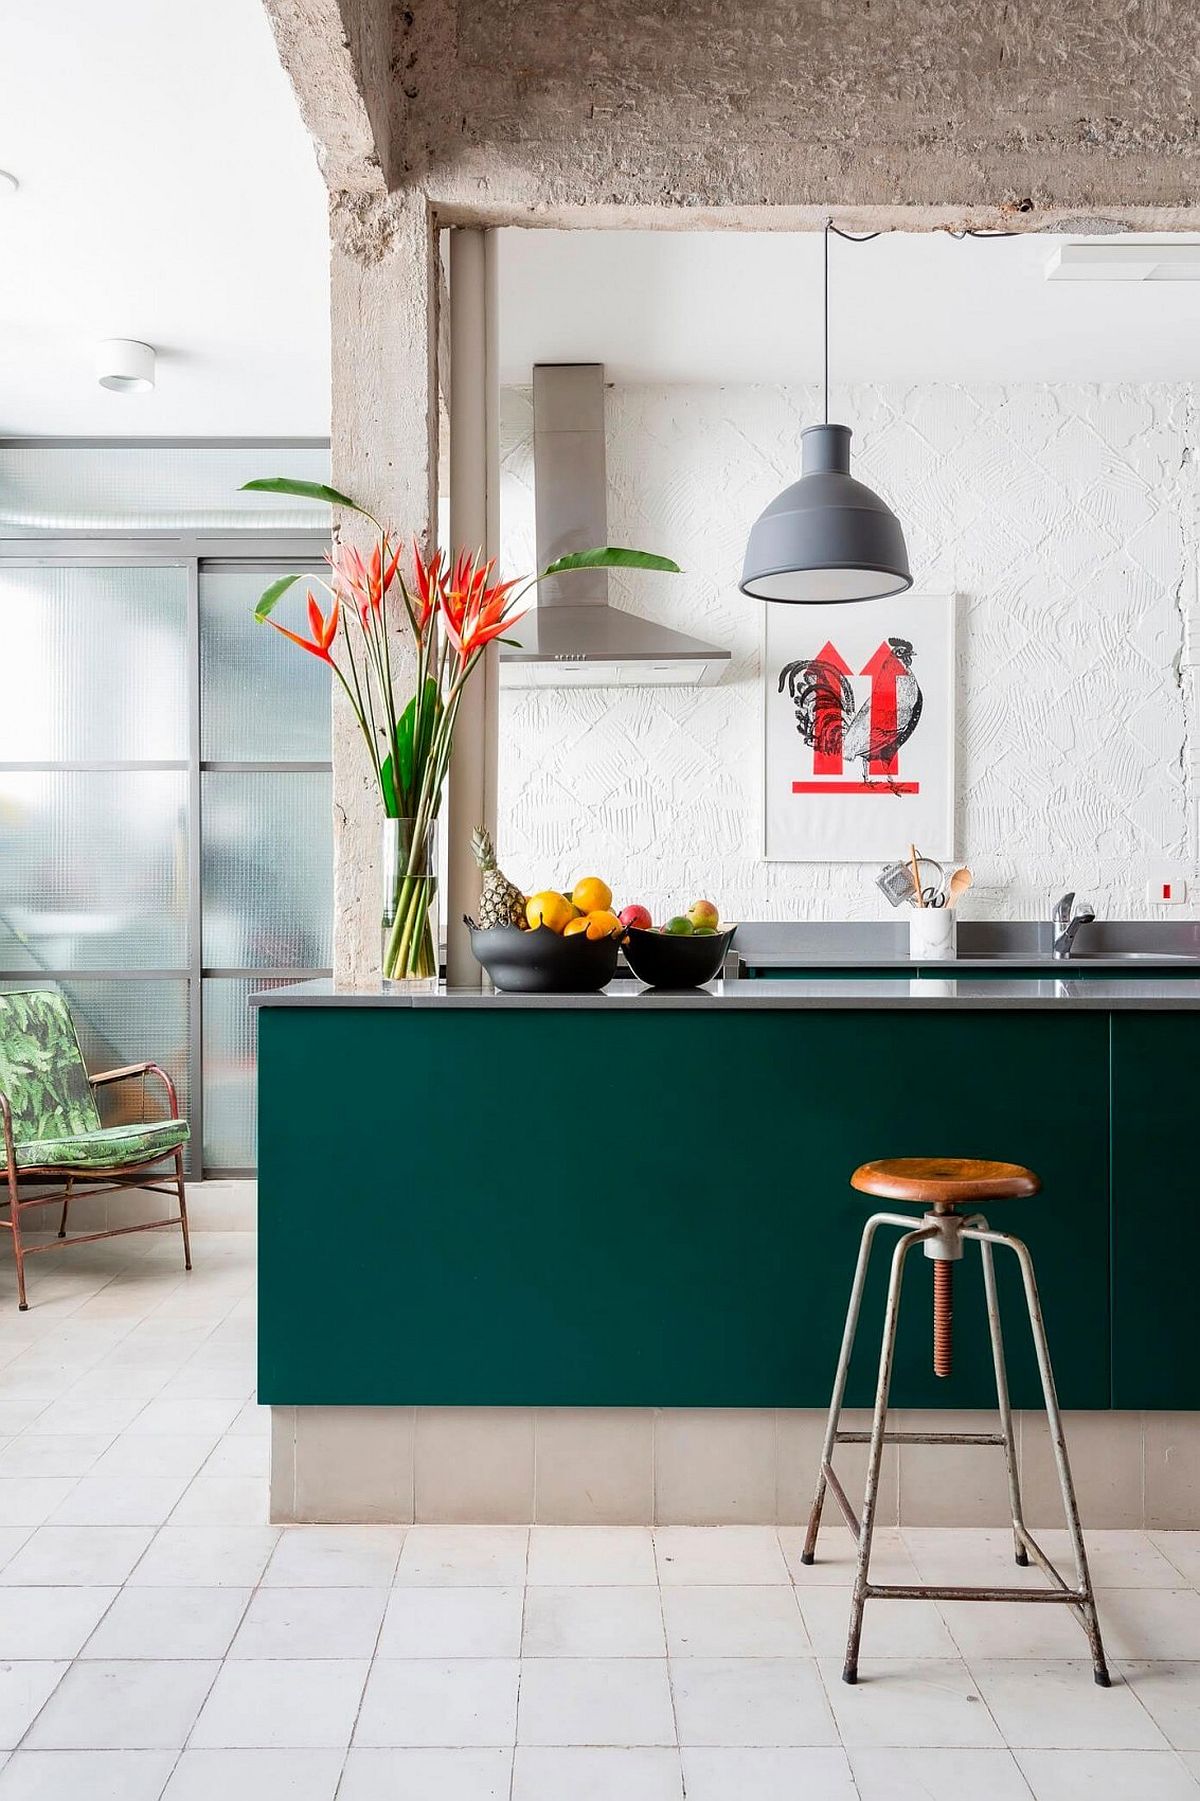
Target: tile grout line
point(512, 1768)
point(371, 1660)
point(670, 1662)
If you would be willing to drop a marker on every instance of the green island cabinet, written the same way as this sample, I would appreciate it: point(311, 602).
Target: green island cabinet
point(627, 1206)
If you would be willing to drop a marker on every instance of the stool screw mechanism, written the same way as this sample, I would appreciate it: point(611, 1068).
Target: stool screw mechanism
point(941, 1234)
point(943, 1319)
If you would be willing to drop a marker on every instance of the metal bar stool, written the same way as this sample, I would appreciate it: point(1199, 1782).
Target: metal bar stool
point(942, 1184)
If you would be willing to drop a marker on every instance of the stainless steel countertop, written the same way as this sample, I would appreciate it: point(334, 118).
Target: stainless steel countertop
point(1092, 993)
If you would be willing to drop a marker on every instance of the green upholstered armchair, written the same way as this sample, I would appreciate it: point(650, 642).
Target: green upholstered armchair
point(52, 1131)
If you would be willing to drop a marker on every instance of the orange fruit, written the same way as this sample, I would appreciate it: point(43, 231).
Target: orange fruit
point(591, 895)
point(601, 923)
point(549, 909)
point(574, 926)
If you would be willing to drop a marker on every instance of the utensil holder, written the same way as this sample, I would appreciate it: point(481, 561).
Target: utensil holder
point(932, 934)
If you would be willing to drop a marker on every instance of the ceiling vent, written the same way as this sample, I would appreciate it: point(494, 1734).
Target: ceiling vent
point(1133, 259)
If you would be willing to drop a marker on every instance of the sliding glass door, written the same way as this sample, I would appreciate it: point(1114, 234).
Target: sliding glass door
point(165, 826)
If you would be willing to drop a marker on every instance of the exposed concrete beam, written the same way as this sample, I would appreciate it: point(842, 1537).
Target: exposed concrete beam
point(336, 57)
point(1076, 105)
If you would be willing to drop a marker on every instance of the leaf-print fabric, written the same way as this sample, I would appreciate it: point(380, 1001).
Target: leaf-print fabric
point(42, 1069)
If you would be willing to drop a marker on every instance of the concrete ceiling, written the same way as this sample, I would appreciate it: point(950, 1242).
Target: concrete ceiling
point(169, 193)
point(715, 307)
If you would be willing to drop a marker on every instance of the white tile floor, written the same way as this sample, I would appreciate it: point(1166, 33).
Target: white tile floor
point(159, 1640)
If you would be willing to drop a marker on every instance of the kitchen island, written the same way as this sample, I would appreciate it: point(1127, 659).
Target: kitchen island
point(637, 1200)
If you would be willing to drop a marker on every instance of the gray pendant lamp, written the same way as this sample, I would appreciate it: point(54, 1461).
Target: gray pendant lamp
point(827, 537)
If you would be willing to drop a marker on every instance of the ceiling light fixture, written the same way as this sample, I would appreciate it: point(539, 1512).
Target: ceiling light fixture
point(827, 537)
point(124, 365)
point(8, 184)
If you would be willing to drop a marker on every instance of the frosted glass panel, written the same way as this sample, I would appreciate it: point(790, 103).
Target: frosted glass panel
point(129, 1022)
point(230, 1064)
point(264, 700)
point(148, 488)
point(93, 870)
point(93, 664)
point(268, 870)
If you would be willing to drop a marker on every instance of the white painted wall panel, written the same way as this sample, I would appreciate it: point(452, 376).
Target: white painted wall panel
point(1066, 519)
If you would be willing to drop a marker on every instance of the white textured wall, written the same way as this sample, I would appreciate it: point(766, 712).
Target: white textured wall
point(1066, 520)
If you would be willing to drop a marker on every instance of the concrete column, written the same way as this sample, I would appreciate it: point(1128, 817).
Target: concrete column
point(384, 427)
point(474, 524)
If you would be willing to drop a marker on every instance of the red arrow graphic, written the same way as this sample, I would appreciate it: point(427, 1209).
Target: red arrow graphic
point(828, 716)
point(885, 670)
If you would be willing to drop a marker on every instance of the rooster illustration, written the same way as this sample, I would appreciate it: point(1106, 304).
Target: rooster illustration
point(826, 719)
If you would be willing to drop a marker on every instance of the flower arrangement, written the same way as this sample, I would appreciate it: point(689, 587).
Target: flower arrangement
point(455, 607)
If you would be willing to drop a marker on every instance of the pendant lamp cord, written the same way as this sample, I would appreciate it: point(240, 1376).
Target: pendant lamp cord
point(865, 237)
point(828, 225)
point(851, 238)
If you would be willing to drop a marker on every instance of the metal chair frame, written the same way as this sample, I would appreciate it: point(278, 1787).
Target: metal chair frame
point(114, 1181)
point(942, 1232)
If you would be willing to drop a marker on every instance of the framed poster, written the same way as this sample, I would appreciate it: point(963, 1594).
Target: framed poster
point(859, 730)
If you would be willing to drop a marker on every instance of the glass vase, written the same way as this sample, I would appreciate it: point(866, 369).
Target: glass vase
point(409, 924)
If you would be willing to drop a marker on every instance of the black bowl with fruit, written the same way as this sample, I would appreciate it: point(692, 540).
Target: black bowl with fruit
point(675, 957)
point(542, 961)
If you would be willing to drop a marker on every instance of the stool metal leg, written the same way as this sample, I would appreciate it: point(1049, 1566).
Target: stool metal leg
point(1087, 1606)
point(887, 1353)
point(1006, 1425)
point(853, 1309)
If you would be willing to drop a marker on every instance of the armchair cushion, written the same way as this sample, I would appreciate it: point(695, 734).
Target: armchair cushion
point(42, 1069)
point(108, 1147)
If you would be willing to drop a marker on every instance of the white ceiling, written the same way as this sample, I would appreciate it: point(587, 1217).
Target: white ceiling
point(746, 307)
point(169, 192)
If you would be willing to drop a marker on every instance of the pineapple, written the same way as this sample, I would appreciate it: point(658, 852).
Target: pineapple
point(500, 902)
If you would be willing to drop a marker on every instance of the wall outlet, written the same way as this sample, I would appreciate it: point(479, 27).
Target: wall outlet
point(1168, 892)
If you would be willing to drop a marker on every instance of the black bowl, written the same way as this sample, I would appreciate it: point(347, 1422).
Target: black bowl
point(664, 961)
point(542, 962)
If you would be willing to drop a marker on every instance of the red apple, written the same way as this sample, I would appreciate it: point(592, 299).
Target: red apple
point(703, 914)
point(636, 916)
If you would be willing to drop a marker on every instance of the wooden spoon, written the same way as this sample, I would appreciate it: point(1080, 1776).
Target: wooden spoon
point(917, 895)
point(960, 881)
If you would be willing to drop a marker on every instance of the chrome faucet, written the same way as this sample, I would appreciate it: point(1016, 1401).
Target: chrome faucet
point(1065, 920)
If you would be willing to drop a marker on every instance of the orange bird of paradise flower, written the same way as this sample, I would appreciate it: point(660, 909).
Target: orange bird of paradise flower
point(474, 606)
point(324, 630)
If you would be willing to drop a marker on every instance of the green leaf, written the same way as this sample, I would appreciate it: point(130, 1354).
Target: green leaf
point(612, 557)
point(405, 727)
point(287, 484)
point(391, 806)
point(269, 596)
point(413, 752)
point(430, 714)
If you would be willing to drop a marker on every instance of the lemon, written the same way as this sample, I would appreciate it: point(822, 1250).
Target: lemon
point(591, 895)
point(549, 909)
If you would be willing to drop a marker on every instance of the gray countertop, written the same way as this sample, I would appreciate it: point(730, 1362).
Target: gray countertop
point(976, 963)
point(1127, 994)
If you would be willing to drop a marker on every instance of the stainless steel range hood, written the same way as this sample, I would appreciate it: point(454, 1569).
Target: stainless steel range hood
point(573, 638)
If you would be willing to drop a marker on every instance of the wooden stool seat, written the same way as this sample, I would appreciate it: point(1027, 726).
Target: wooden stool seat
point(944, 1180)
